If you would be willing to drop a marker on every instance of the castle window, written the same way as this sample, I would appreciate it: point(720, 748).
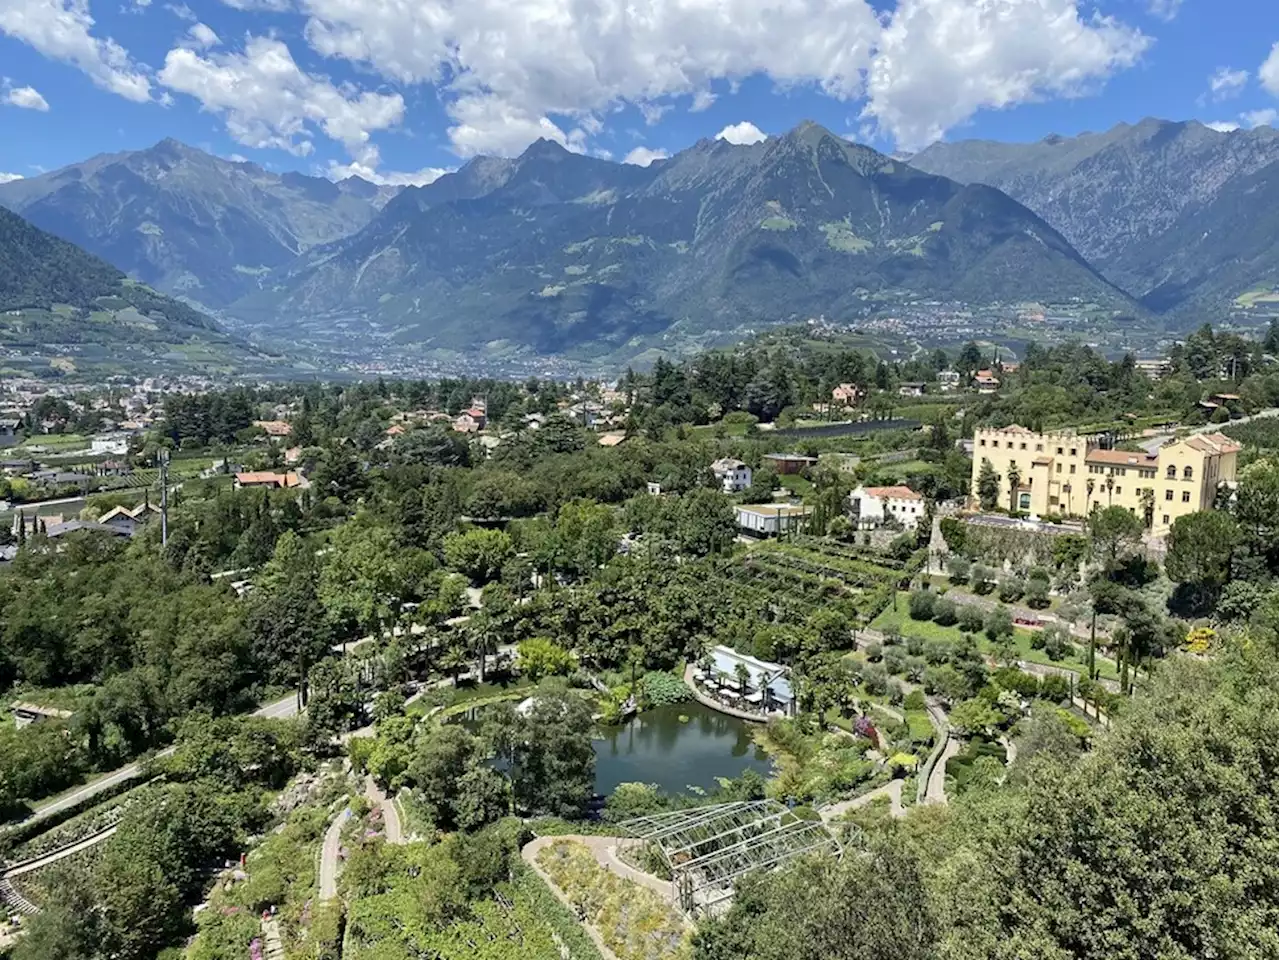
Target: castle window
point(1172, 472)
point(1186, 473)
point(1186, 496)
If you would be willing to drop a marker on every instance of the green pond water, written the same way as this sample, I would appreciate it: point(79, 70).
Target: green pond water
point(656, 747)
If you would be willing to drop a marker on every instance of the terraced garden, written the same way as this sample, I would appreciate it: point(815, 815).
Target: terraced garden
point(794, 577)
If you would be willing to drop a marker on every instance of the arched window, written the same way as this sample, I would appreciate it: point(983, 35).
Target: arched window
point(1172, 472)
point(1186, 473)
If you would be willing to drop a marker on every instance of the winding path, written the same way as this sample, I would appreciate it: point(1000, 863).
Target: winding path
point(329, 856)
point(892, 790)
point(390, 815)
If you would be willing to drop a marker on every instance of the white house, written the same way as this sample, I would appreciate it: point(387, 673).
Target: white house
point(874, 506)
point(117, 443)
point(770, 519)
point(734, 475)
point(948, 380)
point(913, 389)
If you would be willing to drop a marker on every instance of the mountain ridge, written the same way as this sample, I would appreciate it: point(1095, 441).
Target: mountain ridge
point(189, 223)
point(1134, 198)
point(552, 249)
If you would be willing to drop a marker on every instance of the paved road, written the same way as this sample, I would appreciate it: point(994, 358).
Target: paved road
point(277, 709)
point(329, 856)
point(1151, 444)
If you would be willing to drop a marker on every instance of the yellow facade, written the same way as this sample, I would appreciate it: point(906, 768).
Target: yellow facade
point(1062, 474)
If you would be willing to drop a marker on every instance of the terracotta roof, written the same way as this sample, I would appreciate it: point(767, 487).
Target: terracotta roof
point(1120, 458)
point(894, 493)
point(274, 428)
point(266, 477)
point(611, 439)
point(1042, 461)
point(1213, 443)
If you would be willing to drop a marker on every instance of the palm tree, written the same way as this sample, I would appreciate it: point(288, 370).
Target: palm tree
point(482, 635)
point(743, 675)
point(1066, 488)
point(1089, 486)
point(1015, 477)
point(455, 659)
point(1111, 485)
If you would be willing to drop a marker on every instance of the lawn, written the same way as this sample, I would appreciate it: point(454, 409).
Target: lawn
point(797, 484)
point(470, 694)
point(928, 630)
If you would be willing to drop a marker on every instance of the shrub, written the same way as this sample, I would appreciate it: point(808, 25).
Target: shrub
point(1037, 640)
point(1057, 644)
point(876, 680)
point(921, 604)
point(1038, 575)
point(895, 660)
point(970, 618)
point(915, 646)
point(958, 569)
point(936, 651)
point(1037, 594)
point(874, 652)
point(915, 669)
point(998, 624)
point(980, 578)
point(892, 636)
point(658, 689)
point(944, 611)
point(1009, 589)
point(914, 700)
point(1054, 688)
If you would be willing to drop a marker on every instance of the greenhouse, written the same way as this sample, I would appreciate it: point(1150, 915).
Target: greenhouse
point(708, 849)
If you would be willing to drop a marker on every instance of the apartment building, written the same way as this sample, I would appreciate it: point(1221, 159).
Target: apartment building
point(1064, 474)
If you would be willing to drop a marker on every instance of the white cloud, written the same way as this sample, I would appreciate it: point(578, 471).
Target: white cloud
point(1223, 126)
point(1259, 118)
point(653, 112)
point(365, 166)
point(509, 69)
point(28, 98)
point(60, 30)
point(742, 133)
point(643, 156)
point(939, 61)
point(1269, 72)
point(1164, 9)
point(1226, 83)
point(9, 177)
point(512, 72)
point(268, 101)
point(274, 6)
point(701, 101)
point(201, 37)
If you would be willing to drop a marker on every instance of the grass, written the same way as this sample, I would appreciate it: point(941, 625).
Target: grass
point(928, 630)
point(797, 484)
point(476, 694)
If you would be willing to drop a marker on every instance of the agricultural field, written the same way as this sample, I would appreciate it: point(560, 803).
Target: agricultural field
point(808, 572)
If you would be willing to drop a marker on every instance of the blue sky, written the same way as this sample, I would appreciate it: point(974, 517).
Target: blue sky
point(400, 90)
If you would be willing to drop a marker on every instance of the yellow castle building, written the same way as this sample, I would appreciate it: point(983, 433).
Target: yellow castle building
point(1063, 474)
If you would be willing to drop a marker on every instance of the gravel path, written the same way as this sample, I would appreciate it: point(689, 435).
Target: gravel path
point(892, 790)
point(329, 856)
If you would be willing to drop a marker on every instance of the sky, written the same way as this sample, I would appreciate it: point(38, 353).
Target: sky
point(400, 91)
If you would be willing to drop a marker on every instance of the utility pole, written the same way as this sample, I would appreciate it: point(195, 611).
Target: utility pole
point(164, 497)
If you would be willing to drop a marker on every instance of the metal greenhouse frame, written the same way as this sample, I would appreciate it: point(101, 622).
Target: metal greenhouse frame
point(709, 848)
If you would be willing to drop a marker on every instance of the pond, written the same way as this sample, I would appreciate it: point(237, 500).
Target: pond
point(657, 747)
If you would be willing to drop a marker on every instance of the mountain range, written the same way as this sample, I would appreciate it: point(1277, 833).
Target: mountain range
point(59, 302)
point(554, 252)
point(559, 252)
point(189, 223)
point(1180, 215)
